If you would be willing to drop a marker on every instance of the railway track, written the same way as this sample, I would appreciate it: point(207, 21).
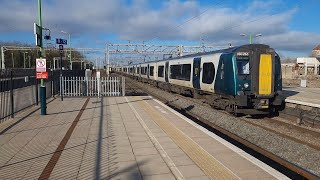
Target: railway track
point(286, 130)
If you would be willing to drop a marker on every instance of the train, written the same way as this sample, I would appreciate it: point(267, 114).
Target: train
point(243, 80)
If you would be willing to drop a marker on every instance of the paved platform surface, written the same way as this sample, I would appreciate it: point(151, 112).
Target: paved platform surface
point(118, 138)
point(310, 96)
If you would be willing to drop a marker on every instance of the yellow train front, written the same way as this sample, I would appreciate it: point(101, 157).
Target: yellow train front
point(248, 80)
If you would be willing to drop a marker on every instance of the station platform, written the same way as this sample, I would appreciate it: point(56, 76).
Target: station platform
point(118, 138)
point(303, 96)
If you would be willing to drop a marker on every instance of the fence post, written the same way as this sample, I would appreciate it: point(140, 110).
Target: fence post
point(61, 87)
point(98, 85)
point(11, 94)
point(123, 86)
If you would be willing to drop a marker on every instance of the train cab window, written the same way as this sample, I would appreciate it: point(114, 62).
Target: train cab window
point(151, 70)
point(243, 66)
point(180, 72)
point(160, 71)
point(208, 73)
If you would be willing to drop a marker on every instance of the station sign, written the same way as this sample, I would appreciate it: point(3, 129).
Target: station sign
point(41, 65)
point(42, 75)
point(61, 41)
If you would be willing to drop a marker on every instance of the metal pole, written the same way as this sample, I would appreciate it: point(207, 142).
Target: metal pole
point(2, 58)
point(61, 79)
point(42, 86)
point(108, 59)
point(250, 38)
point(11, 94)
point(70, 51)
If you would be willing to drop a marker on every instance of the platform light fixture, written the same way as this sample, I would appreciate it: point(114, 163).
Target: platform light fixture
point(64, 32)
point(250, 36)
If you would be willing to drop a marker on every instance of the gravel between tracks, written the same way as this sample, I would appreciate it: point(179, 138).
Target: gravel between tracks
point(296, 153)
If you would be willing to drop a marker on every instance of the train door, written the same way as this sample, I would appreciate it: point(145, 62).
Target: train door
point(225, 79)
point(196, 73)
point(167, 72)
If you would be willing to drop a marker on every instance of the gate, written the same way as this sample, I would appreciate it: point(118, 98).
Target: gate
point(92, 86)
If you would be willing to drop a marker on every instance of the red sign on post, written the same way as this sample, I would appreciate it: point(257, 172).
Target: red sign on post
point(42, 75)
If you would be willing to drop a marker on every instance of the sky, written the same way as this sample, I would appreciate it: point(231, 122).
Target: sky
point(289, 26)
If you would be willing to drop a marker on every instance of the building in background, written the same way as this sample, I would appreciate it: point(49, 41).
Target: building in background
point(316, 52)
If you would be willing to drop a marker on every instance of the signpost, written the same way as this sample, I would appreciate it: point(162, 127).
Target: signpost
point(61, 84)
point(41, 65)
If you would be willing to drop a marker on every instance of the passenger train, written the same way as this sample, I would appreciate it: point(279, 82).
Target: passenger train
point(242, 80)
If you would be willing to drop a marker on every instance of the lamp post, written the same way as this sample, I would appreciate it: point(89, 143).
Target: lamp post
point(24, 59)
point(250, 36)
point(69, 47)
point(108, 57)
point(43, 103)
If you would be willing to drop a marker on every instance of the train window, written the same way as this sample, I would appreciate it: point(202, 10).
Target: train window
point(243, 66)
point(144, 70)
point(181, 72)
point(208, 73)
point(151, 70)
point(160, 71)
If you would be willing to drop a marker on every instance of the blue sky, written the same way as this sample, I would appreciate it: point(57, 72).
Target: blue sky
point(290, 26)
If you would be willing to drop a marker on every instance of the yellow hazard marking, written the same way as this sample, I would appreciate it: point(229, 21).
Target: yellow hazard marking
point(265, 74)
point(206, 162)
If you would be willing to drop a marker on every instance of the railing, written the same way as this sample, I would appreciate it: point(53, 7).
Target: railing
point(19, 90)
point(92, 86)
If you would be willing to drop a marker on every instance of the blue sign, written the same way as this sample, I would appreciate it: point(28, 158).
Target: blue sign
point(61, 41)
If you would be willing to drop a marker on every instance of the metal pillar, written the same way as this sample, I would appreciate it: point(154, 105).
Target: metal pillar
point(43, 103)
point(108, 59)
point(2, 58)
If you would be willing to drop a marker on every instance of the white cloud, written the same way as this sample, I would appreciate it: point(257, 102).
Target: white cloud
point(139, 21)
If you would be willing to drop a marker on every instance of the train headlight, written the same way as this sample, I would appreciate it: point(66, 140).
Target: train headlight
point(246, 85)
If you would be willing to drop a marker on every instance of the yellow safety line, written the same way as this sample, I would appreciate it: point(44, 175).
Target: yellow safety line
point(206, 162)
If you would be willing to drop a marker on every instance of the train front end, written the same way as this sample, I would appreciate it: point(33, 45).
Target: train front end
point(258, 79)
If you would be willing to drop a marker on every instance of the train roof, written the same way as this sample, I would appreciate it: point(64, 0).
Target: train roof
point(227, 50)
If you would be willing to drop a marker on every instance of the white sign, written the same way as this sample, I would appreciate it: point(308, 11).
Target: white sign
point(41, 65)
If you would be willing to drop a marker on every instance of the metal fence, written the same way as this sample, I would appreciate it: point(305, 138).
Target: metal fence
point(92, 86)
point(19, 90)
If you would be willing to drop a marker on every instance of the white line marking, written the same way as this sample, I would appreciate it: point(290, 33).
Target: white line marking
point(161, 110)
point(302, 103)
point(175, 171)
point(239, 151)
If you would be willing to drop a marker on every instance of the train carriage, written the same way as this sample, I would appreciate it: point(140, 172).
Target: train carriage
point(245, 79)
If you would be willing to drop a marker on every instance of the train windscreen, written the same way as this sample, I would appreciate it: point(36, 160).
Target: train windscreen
point(243, 66)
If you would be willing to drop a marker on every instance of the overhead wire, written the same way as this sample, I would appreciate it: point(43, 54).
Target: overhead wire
point(188, 20)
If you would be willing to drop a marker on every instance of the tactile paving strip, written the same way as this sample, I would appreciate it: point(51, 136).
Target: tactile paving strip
point(206, 162)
